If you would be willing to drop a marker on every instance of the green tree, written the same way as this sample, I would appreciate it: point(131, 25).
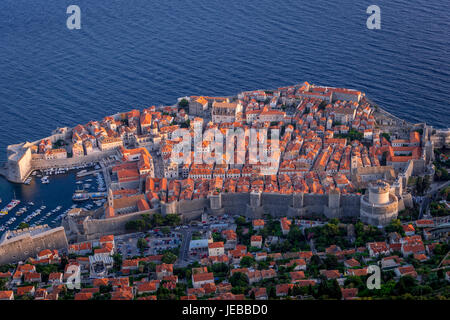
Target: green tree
point(142, 244)
point(272, 293)
point(421, 290)
point(351, 135)
point(384, 157)
point(238, 279)
point(387, 288)
point(336, 290)
point(240, 221)
point(263, 265)
point(354, 282)
point(405, 285)
point(329, 289)
point(45, 270)
point(2, 284)
point(7, 267)
point(136, 225)
point(169, 257)
point(395, 226)
point(105, 289)
point(117, 258)
point(100, 296)
point(295, 238)
point(331, 262)
point(219, 268)
point(217, 237)
point(441, 248)
point(247, 262)
point(158, 219)
point(173, 219)
point(23, 225)
point(183, 103)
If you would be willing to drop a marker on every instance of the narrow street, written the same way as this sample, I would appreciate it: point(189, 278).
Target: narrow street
point(157, 165)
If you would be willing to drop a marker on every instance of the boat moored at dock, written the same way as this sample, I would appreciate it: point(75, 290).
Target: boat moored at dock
point(78, 197)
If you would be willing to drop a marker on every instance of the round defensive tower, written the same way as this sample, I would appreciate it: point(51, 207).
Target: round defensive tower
point(379, 192)
point(379, 207)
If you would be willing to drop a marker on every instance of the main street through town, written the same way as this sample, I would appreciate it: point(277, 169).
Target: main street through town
point(426, 200)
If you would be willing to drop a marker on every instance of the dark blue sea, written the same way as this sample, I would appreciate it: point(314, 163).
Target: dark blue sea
point(136, 53)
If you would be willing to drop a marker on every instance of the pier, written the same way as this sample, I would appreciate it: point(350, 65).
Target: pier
point(102, 194)
point(104, 169)
point(91, 195)
point(88, 173)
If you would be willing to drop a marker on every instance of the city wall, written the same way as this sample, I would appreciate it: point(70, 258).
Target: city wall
point(277, 205)
point(41, 164)
point(250, 205)
point(95, 228)
point(21, 162)
point(21, 247)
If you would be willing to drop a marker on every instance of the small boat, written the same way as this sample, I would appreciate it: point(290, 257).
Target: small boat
point(21, 211)
point(80, 197)
point(98, 196)
point(14, 203)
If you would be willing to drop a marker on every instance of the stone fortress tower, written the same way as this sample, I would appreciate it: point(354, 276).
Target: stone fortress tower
point(215, 201)
point(378, 207)
point(255, 210)
point(333, 209)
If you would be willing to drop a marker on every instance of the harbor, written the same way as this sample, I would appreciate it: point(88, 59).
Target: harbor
point(48, 195)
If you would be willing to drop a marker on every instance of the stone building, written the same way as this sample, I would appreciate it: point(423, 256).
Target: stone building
point(21, 244)
point(225, 112)
point(379, 207)
point(198, 106)
point(19, 162)
point(441, 138)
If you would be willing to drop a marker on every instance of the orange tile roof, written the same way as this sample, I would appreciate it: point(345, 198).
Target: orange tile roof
point(199, 277)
